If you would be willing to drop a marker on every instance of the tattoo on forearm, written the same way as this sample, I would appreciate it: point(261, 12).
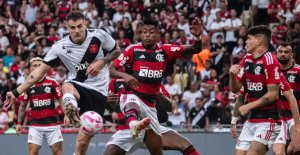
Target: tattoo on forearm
point(112, 56)
point(265, 101)
point(239, 101)
point(22, 111)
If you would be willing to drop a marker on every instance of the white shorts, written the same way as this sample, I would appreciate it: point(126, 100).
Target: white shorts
point(124, 140)
point(264, 133)
point(52, 133)
point(146, 111)
point(282, 136)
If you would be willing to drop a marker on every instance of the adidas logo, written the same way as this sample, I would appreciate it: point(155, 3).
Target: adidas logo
point(32, 92)
point(121, 86)
point(259, 136)
point(280, 138)
point(142, 57)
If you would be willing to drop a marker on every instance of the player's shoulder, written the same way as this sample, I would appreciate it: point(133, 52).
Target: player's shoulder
point(269, 58)
point(60, 43)
point(133, 46)
point(296, 67)
point(50, 79)
point(96, 32)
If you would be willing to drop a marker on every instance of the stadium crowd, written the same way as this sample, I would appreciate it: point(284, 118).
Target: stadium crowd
point(195, 83)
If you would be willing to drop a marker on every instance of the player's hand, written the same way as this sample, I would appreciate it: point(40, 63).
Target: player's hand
point(66, 120)
point(196, 27)
point(19, 129)
point(234, 69)
point(244, 110)
point(233, 131)
point(95, 67)
point(112, 98)
point(131, 81)
point(9, 100)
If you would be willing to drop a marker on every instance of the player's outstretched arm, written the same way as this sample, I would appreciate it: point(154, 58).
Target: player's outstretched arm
point(96, 66)
point(22, 111)
point(196, 30)
point(293, 104)
point(268, 98)
point(130, 80)
point(33, 78)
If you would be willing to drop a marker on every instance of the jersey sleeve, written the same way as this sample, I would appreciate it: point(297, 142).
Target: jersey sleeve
point(241, 75)
point(111, 85)
point(125, 58)
point(51, 57)
point(173, 51)
point(57, 92)
point(284, 85)
point(108, 43)
point(164, 91)
point(272, 70)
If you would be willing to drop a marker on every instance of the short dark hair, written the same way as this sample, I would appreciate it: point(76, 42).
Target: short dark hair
point(75, 15)
point(150, 21)
point(286, 44)
point(261, 30)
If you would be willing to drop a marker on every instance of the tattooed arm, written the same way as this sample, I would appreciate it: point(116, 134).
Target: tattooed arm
point(238, 103)
point(22, 111)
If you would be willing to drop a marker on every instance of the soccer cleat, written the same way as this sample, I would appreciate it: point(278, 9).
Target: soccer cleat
point(137, 126)
point(72, 114)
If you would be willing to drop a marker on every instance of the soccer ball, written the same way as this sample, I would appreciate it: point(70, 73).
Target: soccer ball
point(91, 122)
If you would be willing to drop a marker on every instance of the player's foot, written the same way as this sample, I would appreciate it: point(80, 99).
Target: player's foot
point(137, 126)
point(72, 114)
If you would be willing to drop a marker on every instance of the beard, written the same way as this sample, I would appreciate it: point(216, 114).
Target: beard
point(283, 61)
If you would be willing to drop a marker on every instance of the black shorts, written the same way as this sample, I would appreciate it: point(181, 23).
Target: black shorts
point(90, 100)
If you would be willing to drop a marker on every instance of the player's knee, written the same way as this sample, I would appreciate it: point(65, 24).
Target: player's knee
point(57, 149)
point(184, 144)
point(113, 150)
point(278, 150)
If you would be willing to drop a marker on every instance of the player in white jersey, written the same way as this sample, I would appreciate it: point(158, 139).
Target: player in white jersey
point(86, 54)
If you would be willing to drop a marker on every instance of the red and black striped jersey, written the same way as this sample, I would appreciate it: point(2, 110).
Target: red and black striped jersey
point(256, 74)
point(41, 97)
point(148, 66)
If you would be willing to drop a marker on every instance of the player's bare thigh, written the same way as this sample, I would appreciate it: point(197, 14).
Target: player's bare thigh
point(113, 150)
point(69, 88)
point(240, 152)
point(33, 149)
point(257, 148)
point(57, 148)
point(174, 141)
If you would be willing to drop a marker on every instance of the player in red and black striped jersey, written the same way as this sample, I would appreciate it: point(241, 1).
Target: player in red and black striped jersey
point(44, 120)
point(148, 60)
point(291, 72)
point(259, 73)
point(120, 143)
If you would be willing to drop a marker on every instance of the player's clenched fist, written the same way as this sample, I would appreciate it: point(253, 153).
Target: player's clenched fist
point(234, 69)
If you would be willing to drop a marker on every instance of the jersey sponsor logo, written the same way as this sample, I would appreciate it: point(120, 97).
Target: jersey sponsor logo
point(150, 73)
point(93, 48)
point(82, 66)
point(255, 86)
point(47, 84)
point(122, 59)
point(257, 70)
point(41, 103)
point(69, 51)
point(58, 91)
point(160, 57)
point(291, 78)
point(47, 90)
point(276, 73)
point(241, 73)
point(174, 49)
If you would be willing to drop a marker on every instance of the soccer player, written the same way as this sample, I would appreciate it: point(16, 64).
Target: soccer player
point(291, 72)
point(44, 118)
point(259, 73)
point(148, 61)
point(279, 144)
point(86, 54)
point(122, 142)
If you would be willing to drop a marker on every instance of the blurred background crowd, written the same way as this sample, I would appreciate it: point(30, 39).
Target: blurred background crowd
point(200, 82)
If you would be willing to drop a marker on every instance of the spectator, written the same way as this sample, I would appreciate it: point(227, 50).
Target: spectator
point(231, 26)
point(63, 8)
point(123, 40)
point(91, 14)
point(205, 73)
point(177, 117)
point(216, 28)
point(108, 9)
point(9, 58)
point(171, 87)
point(183, 25)
point(189, 96)
point(4, 42)
point(219, 54)
point(120, 14)
point(106, 25)
point(273, 9)
point(30, 12)
point(3, 119)
point(126, 26)
point(197, 117)
point(237, 49)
